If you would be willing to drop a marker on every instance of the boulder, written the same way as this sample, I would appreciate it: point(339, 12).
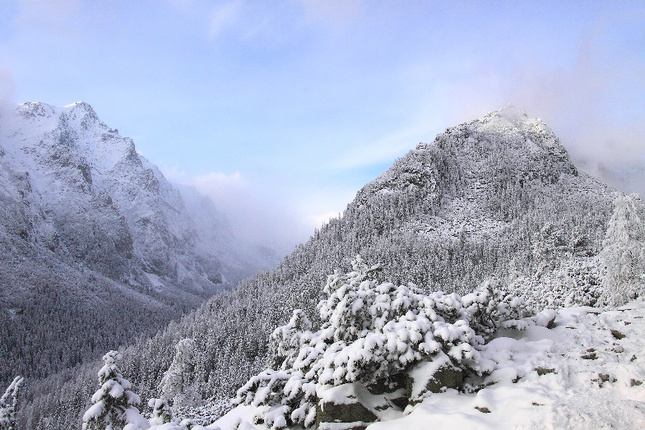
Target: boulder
point(433, 376)
point(353, 406)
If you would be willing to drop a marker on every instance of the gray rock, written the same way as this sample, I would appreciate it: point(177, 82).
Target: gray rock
point(433, 376)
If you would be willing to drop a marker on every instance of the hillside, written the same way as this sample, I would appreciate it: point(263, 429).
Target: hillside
point(96, 247)
point(493, 199)
point(584, 372)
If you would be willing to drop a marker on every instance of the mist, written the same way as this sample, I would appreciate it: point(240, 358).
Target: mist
point(260, 215)
point(7, 89)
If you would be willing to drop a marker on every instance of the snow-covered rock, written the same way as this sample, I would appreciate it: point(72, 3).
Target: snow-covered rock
point(586, 372)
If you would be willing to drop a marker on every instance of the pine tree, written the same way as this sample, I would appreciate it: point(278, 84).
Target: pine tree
point(175, 385)
point(624, 251)
point(114, 403)
point(8, 404)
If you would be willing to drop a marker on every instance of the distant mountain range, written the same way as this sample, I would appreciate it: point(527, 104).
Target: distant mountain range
point(96, 247)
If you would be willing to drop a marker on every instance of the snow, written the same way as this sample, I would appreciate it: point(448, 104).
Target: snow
point(94, 411)
point(585, 372)
point(424, 371)
point(550, 378)
point(88, 195)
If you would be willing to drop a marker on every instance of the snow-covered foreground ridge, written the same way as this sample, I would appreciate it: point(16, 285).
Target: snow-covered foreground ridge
point(394, 357)
point(585, 372)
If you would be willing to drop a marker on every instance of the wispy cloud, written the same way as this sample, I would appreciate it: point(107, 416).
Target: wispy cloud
point(7, 89)
point(383, 150)
point(225, 17)
point(7, 85)
point(222, 187)
point(596, 103)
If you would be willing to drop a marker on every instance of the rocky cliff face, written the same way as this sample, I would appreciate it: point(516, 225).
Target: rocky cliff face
point(94, 239)
point(87, 196)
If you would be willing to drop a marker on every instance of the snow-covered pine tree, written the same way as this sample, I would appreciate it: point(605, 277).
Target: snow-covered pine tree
point(8, 404)
point(175, 385)
point(371, 332)
point(624, 250)
point(114, 404)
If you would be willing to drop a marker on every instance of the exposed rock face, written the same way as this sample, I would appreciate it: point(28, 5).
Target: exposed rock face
point(89, 198)
point(433, 376)
point(355, 406)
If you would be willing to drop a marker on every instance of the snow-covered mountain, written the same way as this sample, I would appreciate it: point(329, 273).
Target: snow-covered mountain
point(96, 245)
point(495, 199)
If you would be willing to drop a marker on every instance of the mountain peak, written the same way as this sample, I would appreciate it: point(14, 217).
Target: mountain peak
point(509, 113)
point(505, 148)
point(506, 140)
point(81, 107)
point(78, 103)
point(36, 109)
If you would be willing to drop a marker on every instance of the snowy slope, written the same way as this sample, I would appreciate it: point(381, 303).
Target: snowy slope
point(585, 372)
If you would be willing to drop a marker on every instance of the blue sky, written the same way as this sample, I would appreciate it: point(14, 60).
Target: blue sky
point(282, 110)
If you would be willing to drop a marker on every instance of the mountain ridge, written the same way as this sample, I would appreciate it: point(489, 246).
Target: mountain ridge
point(417, 237)
point(87, 224)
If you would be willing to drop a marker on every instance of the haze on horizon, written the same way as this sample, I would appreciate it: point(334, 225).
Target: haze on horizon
point(281, 110)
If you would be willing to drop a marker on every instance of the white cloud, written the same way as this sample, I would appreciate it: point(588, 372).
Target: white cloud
point(7, 85)
point(221, 187)
point(318, 220)
point(421, 128)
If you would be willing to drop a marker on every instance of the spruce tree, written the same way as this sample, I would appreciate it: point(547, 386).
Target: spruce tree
point(161, 413)
point(176, 383)
point(114, 403)
point(624, 251)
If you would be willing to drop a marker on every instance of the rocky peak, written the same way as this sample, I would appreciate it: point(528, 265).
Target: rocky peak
point(506, 143)
point(76, 163)
point(478, 160)
point(36, 109)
